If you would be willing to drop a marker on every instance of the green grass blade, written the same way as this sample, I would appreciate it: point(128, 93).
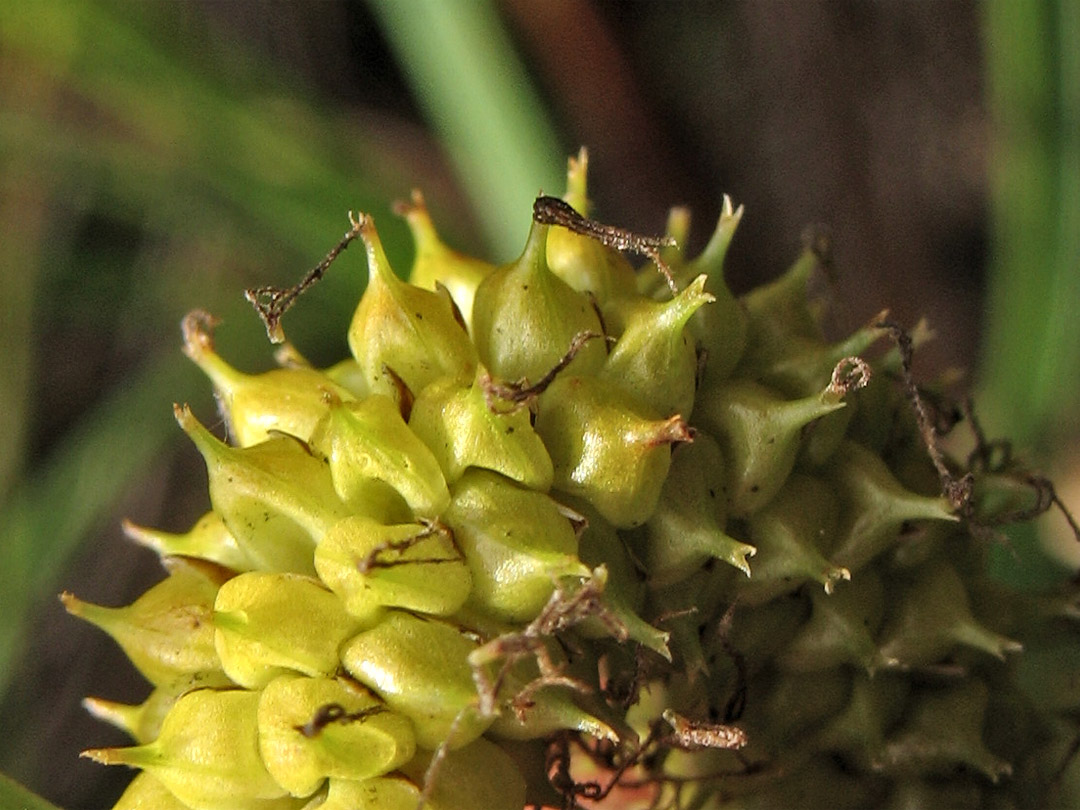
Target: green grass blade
point(478, 96)
point(68, 496)
point(14, 796)
point(1030, 367)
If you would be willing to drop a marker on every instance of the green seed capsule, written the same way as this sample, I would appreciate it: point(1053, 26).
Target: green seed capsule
point(624, 590)
point(857, 733)
point(275, 498)
point(143, 721)
point(930, 615)
point(144, 792)
point(479, 775)
point(516, 542)
point(807, 364)
point(402, 331)
point(208, 539)
point(349, 375)
point(788, 534)
point(941, 730)
point(372, 566)
point(654, 361)
point(720, 328)
point(207, 755)
point(842, 629)
point(606, 452)
point(525, 318)
point(463, 429)
point(913, 793)
point(686, 528)
point(314, 728)
point(549, 709)
point(436, 264)
point(876, 506)
point(264, 627)
point(779, 313)
point(167, 632)
point(378, 793)
point(781, 707)
point(420, 668)
point(285, 400)
point(759, 433)
point(368, 441)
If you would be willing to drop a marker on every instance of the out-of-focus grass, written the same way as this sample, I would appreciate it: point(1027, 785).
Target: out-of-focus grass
point(474, 91)
point(13, 795)
point(1030, 369)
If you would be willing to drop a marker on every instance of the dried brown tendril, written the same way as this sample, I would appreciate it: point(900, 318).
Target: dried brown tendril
point(522, 393)
point(566, 607)
point(335, 713)
point(378, 557)
point(553, 211)
point(273, 302)
point(957, 490)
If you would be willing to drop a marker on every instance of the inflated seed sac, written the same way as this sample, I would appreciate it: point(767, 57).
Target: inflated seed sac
point(143, 721)
point(207, 754)
point(471, 426)
point(286, 400)
point(875, 506)
point(167, 632)
point(941, 730)
point(549, 709)
point(367, 443)
point(263, 627)
point(857, 732)
point(403, 333)
point(420, 668)
point(780, 315)
point(606, 452)
point(145, 792)
point(436, 264)
point(759, 433)
point(582, 262)
point(516, 542)
point(525, 318)
point(208, 539)
point(842, 629)
point(787, 534)
point(372, 566)
point(654, 362)
point(931, 615)
point(686, 529)
point(314, 728)
point(601, 547)
point(718, 330)
point(275, 498)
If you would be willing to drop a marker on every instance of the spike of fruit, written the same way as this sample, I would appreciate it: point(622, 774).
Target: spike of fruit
point(560, 536)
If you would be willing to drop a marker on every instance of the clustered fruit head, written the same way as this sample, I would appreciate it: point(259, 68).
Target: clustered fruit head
point(565, 533)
